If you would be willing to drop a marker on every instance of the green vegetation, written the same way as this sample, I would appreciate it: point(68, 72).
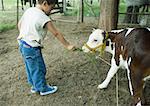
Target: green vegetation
point(93, 10)
point(8, 17)
point(89, 10)
point(9, 3)
point(122, 6)
point(5, 27)
point(7, 20)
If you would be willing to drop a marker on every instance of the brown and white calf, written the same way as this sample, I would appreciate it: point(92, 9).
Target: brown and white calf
point(130, 49)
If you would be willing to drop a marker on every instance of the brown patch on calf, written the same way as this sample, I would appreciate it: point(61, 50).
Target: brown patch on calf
point(137, 46)
point(120, 39)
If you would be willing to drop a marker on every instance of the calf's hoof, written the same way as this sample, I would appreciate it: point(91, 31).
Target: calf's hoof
point(102, 86)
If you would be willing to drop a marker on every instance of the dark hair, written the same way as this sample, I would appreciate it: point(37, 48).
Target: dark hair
point(48, 1)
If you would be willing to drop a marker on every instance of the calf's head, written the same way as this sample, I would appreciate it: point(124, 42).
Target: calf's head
point(96, 41)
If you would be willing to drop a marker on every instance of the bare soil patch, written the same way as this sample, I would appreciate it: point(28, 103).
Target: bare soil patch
point(76, 74)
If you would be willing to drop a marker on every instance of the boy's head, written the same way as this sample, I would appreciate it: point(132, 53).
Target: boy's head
point(47, 5)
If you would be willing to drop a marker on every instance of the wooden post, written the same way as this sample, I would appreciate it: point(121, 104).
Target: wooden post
point(64, 5)
point(2, 5)
point(17, 11)
point(108, 14)
point(82, 11)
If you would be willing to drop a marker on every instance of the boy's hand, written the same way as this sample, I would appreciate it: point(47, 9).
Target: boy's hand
point(70, 47)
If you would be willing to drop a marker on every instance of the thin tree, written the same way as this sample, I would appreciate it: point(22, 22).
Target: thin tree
point(2, 5)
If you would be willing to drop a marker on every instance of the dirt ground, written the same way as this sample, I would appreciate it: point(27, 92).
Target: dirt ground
point(76, 74)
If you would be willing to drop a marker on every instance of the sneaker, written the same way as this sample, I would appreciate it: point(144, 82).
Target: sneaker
point(33, 90)
point(49, 90)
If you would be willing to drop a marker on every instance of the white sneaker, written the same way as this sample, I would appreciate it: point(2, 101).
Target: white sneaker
point(49, 90)
point(33, 90)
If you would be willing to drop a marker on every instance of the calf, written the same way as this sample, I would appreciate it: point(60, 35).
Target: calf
point(130, 49)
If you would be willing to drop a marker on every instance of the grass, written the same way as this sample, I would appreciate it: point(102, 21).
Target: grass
point(8, 18)
point(6, 27)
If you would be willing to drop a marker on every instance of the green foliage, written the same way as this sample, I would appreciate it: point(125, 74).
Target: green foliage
point(89, 10)
point(8, 16)
point(122, 6)
point(94, 9)
point(6, 27)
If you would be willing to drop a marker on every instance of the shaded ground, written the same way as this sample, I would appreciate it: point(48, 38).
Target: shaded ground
point(76, 74)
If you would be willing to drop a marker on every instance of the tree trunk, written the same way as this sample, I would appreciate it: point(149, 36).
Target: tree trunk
point(108, 14)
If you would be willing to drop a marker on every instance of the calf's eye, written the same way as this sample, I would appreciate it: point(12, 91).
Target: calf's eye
point(95, 40)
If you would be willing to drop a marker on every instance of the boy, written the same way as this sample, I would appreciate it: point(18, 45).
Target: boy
point(33, 26)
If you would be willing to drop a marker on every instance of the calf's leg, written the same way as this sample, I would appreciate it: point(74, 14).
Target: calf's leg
point(112, 71)
point(137, 83)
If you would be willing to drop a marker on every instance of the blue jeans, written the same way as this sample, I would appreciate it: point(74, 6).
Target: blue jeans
point(35, 66)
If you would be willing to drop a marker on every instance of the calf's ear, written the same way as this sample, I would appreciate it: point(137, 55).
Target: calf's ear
point(104, 34)
point(93, 29)
point(107, 43)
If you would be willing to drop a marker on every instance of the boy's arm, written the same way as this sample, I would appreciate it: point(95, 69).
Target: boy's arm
point(58, 35)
